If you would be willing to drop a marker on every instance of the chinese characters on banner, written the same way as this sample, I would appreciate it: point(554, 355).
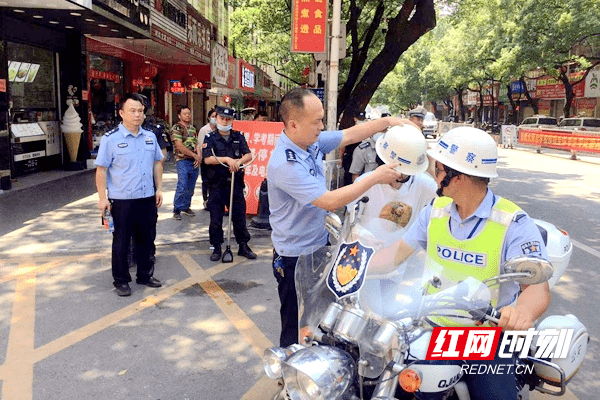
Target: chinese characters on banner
point(261, 138)
point(564, 140)
point(309, 26)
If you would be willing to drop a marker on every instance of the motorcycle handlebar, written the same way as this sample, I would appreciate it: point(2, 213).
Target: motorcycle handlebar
point(493, 315)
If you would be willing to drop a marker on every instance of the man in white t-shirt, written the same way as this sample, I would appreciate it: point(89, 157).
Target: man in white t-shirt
point(400, 201)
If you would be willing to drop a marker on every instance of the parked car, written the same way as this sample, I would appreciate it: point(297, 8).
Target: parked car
point(539, 121)
point(430, 125)
point(581, 124)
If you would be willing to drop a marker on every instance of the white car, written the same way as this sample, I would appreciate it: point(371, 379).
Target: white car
point(581, 124)
point(539, 121)
point(430, 125)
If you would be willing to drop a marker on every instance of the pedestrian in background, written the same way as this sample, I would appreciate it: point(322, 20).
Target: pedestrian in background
point(298, 198)
point(211, 125)
point(185, 139)
point(348, 151)
point(230, 148)
point(261, 116)
point(129, 183)
point(417, 115)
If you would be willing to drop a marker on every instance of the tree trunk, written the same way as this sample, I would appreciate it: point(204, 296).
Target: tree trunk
point(513, 105)
point(402, 33)
point(461, 104)
point(532, 102)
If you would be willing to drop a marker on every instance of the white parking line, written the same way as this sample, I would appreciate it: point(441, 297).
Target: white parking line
point(583, 247)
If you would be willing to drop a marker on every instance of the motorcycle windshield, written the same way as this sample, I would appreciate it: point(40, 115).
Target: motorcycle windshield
point(338, 274)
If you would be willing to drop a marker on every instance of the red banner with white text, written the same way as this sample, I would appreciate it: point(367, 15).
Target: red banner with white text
point(564, 140)
point(261, 138)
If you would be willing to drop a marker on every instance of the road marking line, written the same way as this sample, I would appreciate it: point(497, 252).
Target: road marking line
point(583, 247)
point(247, 328)
point(265, 388)
point(18, 380)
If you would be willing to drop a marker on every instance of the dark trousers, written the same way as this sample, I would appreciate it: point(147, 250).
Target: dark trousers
point(284, 269)
point(133, 218)
point(218, 198)
point(132, 260)
point(204, 180)
point(493, 386)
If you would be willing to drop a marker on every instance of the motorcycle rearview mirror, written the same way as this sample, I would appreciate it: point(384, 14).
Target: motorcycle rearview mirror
point(333, 224)
point(525, 270)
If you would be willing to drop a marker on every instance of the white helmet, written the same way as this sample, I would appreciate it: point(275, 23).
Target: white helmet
point(467, 150)
point(406, 146)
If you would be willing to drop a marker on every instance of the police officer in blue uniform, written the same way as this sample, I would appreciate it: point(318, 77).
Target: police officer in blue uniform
point(129, 168)
point(298, 197)
point(230, 148)
point(486, 230)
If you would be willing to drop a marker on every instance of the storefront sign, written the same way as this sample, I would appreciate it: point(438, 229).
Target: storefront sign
point(135, 11)
point(552, 88)
point(219, 65)
point(172, 13)
point(109, 76)
point(472, 98)
point(246, 76)
point(592, 83)
point(585, 107)
point(544, 107)
point(231, 72)
point(142, 82)
point(198, 34)
point(85, 95)
point(261, 138)
point(171, 40)
point(309, 21)
point(2, 85)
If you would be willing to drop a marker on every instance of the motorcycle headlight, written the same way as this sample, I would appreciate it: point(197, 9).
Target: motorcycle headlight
point(318, 373)
point(273, 359)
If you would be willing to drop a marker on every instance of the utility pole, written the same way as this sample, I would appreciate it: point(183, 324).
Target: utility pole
point(334, 62)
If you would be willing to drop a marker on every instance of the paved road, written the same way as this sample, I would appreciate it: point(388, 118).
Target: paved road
point(64, 334)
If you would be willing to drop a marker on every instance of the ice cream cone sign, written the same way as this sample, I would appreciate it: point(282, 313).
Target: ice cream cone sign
point(72, 129)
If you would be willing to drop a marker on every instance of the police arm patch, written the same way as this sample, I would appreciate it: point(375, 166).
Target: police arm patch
point(532, 247)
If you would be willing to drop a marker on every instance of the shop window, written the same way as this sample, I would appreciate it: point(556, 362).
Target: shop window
point(31, 80)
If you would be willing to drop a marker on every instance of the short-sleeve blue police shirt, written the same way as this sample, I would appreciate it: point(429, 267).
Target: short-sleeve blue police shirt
point(521, 237)
point(295, 179)
point(129, 161)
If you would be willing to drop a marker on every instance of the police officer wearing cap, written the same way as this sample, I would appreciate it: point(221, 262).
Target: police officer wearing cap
point(470, 232)
point(129, 168)
point(364, 158)
point(417, 115)
point(230, 148)
point(348, 151)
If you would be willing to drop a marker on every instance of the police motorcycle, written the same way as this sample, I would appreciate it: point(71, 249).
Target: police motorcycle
point(364, 336)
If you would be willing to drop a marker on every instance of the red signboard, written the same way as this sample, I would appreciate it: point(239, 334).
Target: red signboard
point(309, 26)
point(261, 138)
point(231, 72)
point(2, 85)
point(109, 76)
point(552, 88)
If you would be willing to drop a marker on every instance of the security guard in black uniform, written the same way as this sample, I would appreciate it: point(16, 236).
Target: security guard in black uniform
point(230, 148)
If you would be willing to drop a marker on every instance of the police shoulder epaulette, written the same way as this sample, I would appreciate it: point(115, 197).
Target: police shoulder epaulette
point(364, 145)
point(291, 156)
point(108, 133)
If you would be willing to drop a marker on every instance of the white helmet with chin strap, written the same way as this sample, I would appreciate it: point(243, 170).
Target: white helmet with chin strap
point(467, 150)
point(405, 146)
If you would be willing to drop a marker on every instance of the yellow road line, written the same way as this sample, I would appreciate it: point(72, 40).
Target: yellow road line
point(247, 328)
point(18, 379)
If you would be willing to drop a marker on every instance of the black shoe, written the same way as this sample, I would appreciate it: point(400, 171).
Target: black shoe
point(122, 289)
point(188, 212)
point(152, 282)
point(177, 216)
point(216, 254)
point(245, 251)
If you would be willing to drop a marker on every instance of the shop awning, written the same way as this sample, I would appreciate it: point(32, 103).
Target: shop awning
point(153, 50)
